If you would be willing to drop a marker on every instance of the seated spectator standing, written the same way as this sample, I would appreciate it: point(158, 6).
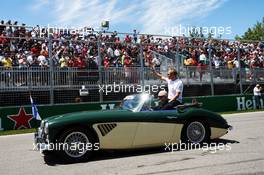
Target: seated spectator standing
point(257, 94)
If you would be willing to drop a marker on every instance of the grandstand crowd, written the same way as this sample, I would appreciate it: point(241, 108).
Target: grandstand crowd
point(24, 47)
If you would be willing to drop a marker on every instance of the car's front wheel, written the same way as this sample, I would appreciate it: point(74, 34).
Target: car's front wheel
point(196, 132)
point(76, 145)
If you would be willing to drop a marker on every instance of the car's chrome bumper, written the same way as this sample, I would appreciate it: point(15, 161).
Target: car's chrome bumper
point(40, 143)
point(230, 127)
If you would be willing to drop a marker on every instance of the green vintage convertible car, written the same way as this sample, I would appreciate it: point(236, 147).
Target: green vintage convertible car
point(137, 123)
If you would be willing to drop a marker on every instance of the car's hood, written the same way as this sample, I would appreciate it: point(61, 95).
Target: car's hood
point(98, 116)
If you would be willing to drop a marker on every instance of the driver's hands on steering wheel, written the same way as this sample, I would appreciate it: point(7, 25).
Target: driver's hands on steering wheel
point(146, 108)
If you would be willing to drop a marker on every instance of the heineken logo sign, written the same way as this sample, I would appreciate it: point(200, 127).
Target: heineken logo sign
point(245, 104)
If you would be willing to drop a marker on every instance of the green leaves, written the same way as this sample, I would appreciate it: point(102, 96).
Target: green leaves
point(254, 33)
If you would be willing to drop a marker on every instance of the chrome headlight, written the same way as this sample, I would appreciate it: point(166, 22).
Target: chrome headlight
point(46, 128)
point(40, 132)
point(42, 124)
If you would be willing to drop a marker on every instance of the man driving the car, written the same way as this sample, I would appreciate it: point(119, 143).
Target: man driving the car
point(163, 100)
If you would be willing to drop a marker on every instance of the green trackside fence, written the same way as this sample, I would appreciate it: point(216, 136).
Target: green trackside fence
point(21, 117)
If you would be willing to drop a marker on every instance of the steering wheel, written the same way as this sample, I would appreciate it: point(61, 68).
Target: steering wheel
point(146, 108)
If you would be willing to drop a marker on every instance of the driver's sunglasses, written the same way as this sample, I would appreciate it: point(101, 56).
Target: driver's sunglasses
point(161, 96)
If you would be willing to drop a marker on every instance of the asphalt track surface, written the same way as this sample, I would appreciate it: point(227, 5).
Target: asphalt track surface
point(246, 155)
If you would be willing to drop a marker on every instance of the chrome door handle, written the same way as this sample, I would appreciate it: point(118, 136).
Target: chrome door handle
point(172, 117)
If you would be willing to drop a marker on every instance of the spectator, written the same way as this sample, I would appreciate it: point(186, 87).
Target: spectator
point(135, 36)
point(106, 62)
point(2, 26)
point(80, 63)
point(43, 61)
point(257, 95)
point(22, 62)
point(63, 61)
point(127, 39)
point(7, 62)
point(114, 47)
point(202, 58)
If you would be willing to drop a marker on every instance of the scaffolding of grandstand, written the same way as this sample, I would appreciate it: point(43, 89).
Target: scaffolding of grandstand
point(42, 59)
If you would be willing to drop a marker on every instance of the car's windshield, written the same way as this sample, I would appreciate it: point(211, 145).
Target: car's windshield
point(135, 102)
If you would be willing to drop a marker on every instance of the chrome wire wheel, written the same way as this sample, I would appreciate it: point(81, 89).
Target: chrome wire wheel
point(196, 132)
point(75, 144)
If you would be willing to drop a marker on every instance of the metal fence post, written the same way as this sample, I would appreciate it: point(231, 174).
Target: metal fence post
point(100, 66)
point(187, 75)
point(211, 70)
point(240, 72)
point(29, 78)
point(51, 70)
point(142, 69)
point(177, 57)
point(166, 62)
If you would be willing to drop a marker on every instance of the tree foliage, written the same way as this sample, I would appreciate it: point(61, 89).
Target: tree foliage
point(196, 32)
point(254, 33)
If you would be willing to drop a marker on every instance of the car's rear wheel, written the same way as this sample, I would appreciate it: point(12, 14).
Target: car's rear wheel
point(196, 132)
point(76, 145)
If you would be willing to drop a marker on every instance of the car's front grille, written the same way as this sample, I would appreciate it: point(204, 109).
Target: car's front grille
point(106, 128)
point(41, 133)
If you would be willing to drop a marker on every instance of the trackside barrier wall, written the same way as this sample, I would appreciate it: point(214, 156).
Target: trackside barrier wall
point(12, 118)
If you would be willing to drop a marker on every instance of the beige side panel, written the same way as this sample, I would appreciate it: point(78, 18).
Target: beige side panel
point(217, 132)
point(177, 133)
point(156, 134)
point(121, 137)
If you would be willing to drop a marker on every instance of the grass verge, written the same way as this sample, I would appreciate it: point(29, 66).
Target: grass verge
point(20, 131)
